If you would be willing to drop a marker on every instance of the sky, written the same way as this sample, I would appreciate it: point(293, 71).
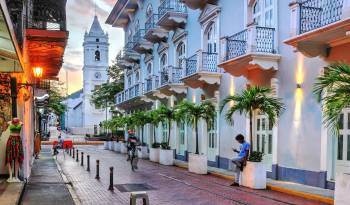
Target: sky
point(80, 14)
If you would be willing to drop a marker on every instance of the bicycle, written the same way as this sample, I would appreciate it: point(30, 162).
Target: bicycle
point(134, 158)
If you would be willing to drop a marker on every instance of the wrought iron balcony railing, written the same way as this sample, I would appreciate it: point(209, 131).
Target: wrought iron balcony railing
point(151, 84)
point(317, 13)
point(170, 75)
point(129, 93)
point(151, 22)
point(253, 39)
point(138, 36)
point(171, 6)
point(201, 62)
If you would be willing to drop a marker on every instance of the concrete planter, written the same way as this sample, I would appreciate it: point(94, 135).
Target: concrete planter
point(105, 145)
point(342, 189)
point(123, 148)
point(110, 145)
point(154, 154)
point(198, 163)
point(166, 157)
point(143, 153)
point(254, 175)
point(116, 146)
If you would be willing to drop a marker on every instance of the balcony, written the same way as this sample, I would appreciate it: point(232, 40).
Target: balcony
point(201, 70)
point(130, 97)
point(130, 55)
point(318, 26)
point(248, 50)
point(154, 33)
point(141, 45)
point(172, 14)
point(122, 12)
point(121, 62)
point(198, 4)
point(170, 81)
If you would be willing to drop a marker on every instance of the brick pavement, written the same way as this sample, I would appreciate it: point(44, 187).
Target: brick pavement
point(173, 185)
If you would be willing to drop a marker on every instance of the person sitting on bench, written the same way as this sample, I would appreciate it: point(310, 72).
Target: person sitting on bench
point(241, 159)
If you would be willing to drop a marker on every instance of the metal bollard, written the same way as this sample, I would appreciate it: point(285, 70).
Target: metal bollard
point(137, 195)
point(73, 152)
point(82, 159)
point(111, 188)
point(88, 163)
point(97, 169)
point(77, 157)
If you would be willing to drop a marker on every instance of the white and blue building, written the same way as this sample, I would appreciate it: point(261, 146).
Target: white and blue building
point(209, 49)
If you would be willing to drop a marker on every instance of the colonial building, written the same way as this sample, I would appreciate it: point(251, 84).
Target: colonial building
point(82, 116)
point(206, 50)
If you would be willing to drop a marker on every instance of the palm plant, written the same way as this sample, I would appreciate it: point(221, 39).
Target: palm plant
point(192, 113)
point(154, 120)
point(333, 89)
point(140, 119)
point(250, 100)
point(167, 115)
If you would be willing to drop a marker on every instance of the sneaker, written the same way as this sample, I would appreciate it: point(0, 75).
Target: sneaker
point(10, 180)
point(234, 184)
point(16, 180)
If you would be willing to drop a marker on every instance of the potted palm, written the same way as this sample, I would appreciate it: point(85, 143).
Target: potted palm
point(155, 148)
point(251, 100)
point(192, 113)
point(140, 120)
point(166, 154)
point(332, 89)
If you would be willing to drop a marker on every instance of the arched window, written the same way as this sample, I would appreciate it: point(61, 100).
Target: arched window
point(211, 38)
point(137, 76)
point(97, 40)
point(149, 69)
point(180, 54)
point(97, 55)
point(129, 81)
point(163, 62)
point(263, 13)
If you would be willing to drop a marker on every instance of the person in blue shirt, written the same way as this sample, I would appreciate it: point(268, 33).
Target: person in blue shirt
point(240, 160)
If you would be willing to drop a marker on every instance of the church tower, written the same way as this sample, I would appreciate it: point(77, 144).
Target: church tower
point(94, 72)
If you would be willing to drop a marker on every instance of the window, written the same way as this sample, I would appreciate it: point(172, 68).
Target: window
point(340, 147)
point(149, 11)
point(149, 69)
point(129, 81)
point(211, 38)
point(97, 55)
point(163, 62)
point(97, 40)
point(263, 13)
point(181, 55)
point(137, 76)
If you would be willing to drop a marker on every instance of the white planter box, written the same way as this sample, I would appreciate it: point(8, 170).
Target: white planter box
point(342, 189)
point(254, 175)
point(110, 145)
point(166, 157)
point(116, 146)
point(105, 145)
point(198, 163)
point(123, 148)
point(143, 153)
point(154, 154)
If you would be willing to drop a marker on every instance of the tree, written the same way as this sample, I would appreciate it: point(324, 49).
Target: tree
point(56, 98)
point(250, 100)
point(104, 96)
point(167, 115)
point(140, 119)
point(154, 120)
point(192, 113)
point(332, 89)
point(116, 73)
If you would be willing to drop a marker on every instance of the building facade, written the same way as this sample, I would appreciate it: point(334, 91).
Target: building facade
point(82, 117)
point(207, 50)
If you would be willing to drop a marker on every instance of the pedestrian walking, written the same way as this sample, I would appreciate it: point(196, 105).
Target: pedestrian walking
point(241, 159)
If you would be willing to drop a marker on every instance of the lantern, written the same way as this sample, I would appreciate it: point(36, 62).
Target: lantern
point(38, 72)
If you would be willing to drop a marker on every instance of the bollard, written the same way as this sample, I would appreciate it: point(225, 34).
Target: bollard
point(136, 195)
point(97, 169)
point(88, 163)
point(73, 152)
point(82, 159)
point(77, 157)
point(111, 188)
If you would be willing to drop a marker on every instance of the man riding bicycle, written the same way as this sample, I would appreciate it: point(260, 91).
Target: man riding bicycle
point(132, 144)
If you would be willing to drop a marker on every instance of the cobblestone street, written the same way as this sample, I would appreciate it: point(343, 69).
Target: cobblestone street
point(172, 185)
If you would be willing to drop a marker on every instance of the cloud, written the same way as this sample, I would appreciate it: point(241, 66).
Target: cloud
point(71, 66)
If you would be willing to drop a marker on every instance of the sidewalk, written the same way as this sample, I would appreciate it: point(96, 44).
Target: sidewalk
point(45, 185)
point(10, 192)
point(308, 192)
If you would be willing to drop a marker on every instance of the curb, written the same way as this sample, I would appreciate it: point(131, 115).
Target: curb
point(291, 192)
point(69, 185)
point(19, 199)
point(77, 143)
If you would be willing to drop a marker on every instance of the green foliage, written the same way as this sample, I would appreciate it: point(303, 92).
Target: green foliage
point(165, 145)
point(167, 115)
point(253, 99)
point(104, 96)
point(155, 145)
point(191, 113)
point(116, 73)
point(55, 104)
point(154, 120)
point(332, 89)
point(256, 156)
